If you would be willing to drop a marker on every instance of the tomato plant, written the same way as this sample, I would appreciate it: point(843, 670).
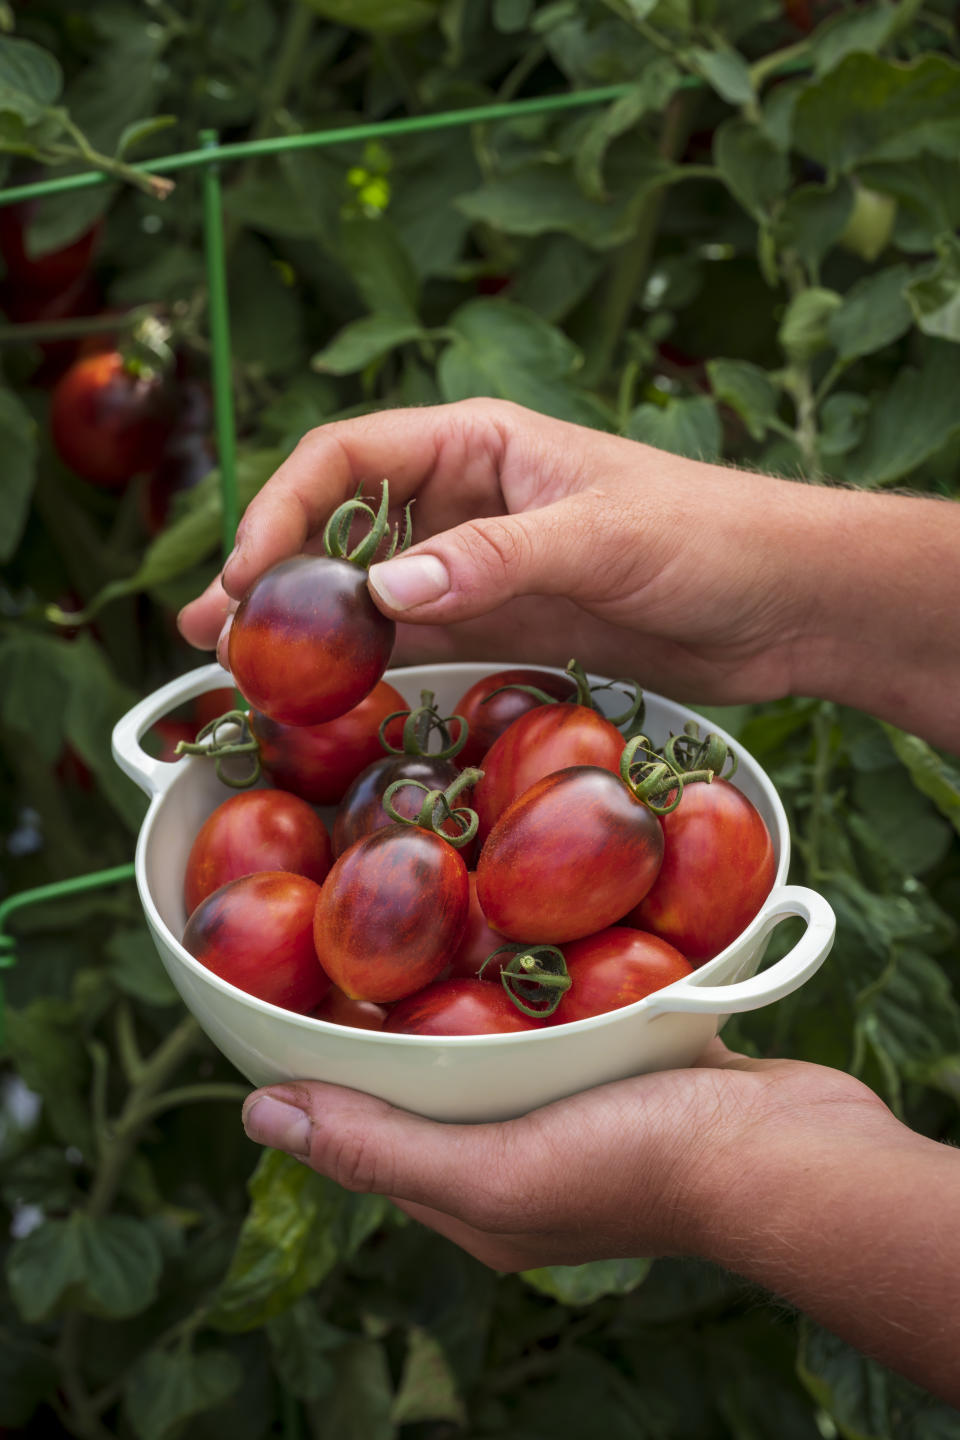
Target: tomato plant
point(614, 967)
point(257, 933)
point(458, 1006)
point(256, 830)
point(107, 421)
point(307, 642)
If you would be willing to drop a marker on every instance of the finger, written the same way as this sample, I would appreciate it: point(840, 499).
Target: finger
point(201, 622)
point(499, 1252)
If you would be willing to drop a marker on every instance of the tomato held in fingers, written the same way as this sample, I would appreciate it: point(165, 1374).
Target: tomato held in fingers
point(615, 967)
point(488, 708)
point(256, 830)
point(109, 423)
point(459, 1007)
point(307, 643)
point(257, 933)
point(718, 868)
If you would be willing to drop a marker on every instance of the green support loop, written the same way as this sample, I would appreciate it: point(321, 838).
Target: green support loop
point(222, 355)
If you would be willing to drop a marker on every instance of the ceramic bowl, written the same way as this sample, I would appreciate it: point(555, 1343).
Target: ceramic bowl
point(456, 1078)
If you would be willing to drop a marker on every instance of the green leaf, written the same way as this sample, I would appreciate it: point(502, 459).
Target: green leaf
point(873, 314)
point(651, 92)
point(561, 274)
point(299, 1225)
point(746, 389)
point(385, 17)
point(902, 821)
point(754, 170)
point(119, 85)
point(360, 1406)
point(873, 109)
point(812, 219)
point(843, 417)
point(58, 220)
point(138, 131)
point(30, 79)
point(511, 16)
point(362, 342)
point(726, 72)
point(914, 419)
point(28, 1377)
point(108, 1266)
point(266, 314)
point(302, 1343)
point(377, 259)
point(859, 30)
point(166, 1388)
point(500, 349)
point(934, 295)
point(428, 1387)
point(18, 446)
point(46, 1045)
point(922, 196)
point(805, 327)
point(684, 427)
point(934, 776)
point(583, 1284)
point(135, 967)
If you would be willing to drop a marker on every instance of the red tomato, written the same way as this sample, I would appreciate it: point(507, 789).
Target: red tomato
point(718, 868)
point(167, 734)
point(489, 717)
point(320, 762)
point(358, 1014)
point(615, 967)
point(361, 810)
point(459, 1007)
point(307, 642)
point(477, 943)
point(391, 912)
point(549, 738)
point(256, 830)
point(108, 424)
point(257, 933)
point(561, 858)
point(51, 272)
point(211, 705)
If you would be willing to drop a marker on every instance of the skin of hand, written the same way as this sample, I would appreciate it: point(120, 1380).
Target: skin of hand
point(793, 1175)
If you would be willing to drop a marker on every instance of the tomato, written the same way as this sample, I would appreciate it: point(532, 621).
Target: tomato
point(459, 1007)
point(51, 272)
point(477, 943)
point(488, 715)
point(257, 933)
point(718, 868)
point(166, 734)
point(320, 762)
point(549, 738)
point(339, 1009)
point(361, 810)
point(24, 307)
point(615, 967)
point(256, 830)
point(307, 642)
point(107, 423)
point(211, 705)
point(560, 860)
point(391, 912)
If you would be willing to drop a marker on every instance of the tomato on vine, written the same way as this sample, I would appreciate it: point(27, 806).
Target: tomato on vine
point(109, 418)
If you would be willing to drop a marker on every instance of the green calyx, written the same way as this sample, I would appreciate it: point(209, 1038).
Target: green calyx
point(535, 977)
point(420, 725)
point(630, 720)
point(438, 807)
point(336, 534)
point(237, 739)
point(654, 779)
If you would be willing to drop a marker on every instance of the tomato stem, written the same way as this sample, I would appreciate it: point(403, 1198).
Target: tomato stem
point(336, 533)
point(221, 749)
point(535, 978)
point(438, 808)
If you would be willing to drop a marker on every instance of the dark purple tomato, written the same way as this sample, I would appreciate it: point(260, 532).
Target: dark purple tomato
point(256, 830)
point(107, 423)
point(459, 1007)
point(307, 642)
point(390, 913)
point(257, 933)
point(320, 762)
point(560, 860)
point(613, 968)
point(361, 811)
point(488, 715)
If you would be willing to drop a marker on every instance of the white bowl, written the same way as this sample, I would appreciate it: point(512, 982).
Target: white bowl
point(459, 1078)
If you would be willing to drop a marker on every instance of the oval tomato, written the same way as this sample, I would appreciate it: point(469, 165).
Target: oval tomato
point(477, 943)
point(256, 830)
point(560, 860)
point(390, 913)
point(718, 868)
point(107, 423)
point(320, 762)
point(613, 968)
point(339, 1009)
point(459, 1007)
point(361, 811)
point(257, 933)
point(488, 714)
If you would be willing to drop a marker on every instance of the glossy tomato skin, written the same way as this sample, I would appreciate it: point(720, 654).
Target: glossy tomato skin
point(562, 858)
point(107, 424)
point(339, 1009)
point(718, 868)
point(320, 762)
point(390, 913)
point(256, 830)
point(615, 967)
point(361, 810)
point(459, 1007)
point(549, 738)
point(477, 943)
point(307, 642)
point(488, 715)
point(257, 933)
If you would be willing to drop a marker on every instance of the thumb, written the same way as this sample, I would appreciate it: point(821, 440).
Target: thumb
point(475, 568)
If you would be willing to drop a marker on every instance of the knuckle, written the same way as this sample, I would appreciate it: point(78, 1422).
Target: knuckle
point(354, 1162)
point(496, 546)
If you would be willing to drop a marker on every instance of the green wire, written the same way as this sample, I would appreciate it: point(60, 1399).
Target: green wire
point(221, 366)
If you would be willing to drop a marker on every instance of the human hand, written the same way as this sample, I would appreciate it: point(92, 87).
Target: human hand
point(541, 540)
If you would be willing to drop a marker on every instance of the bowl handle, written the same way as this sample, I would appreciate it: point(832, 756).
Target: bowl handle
point(787, 975)
point(150, 774)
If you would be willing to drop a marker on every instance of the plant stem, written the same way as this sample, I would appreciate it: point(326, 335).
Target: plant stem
point(38, 331)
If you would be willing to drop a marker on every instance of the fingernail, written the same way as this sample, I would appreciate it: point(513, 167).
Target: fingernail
point(409, 580)
point(222, 641)
point(277, 1124)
